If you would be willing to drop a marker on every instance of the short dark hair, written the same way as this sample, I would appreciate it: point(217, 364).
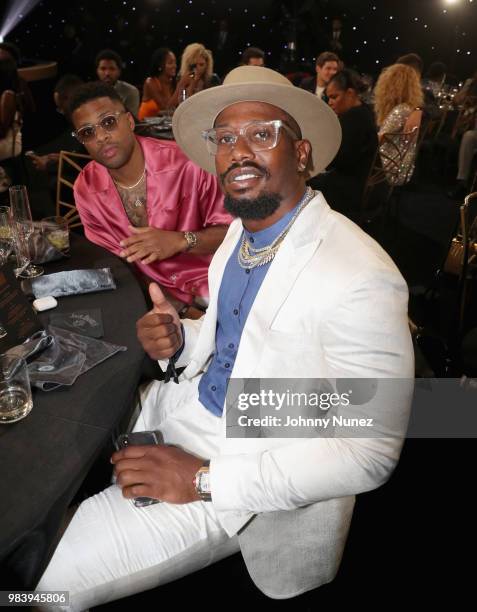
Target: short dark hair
point(252, 52)
point(326, 56)
point(412, 59)
point(67, 83)
point(92, 91)
point(12, 49)
point(349, 79)
point(109, 54)
point(158, 61)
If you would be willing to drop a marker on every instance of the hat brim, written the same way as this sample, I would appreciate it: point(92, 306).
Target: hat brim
point(318, 123)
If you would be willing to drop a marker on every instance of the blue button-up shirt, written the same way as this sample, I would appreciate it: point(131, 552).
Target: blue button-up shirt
point(237, 293)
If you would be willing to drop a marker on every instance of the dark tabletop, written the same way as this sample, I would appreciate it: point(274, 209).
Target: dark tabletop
point(45, 457)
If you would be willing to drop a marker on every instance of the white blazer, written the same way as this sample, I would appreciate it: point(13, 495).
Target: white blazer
point(332, 305)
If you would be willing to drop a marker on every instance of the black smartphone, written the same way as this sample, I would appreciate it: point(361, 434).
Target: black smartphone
point(140, 438)
point(192, 68)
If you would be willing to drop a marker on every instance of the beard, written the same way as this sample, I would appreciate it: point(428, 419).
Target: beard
point(260, 207)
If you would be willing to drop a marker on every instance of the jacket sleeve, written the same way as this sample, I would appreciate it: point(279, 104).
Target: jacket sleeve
point(191, 333)
point(366, 335)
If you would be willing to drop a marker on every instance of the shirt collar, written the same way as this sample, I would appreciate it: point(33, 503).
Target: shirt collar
point(155, 163)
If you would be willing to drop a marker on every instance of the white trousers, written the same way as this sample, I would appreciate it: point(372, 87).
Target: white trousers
point(111, 549)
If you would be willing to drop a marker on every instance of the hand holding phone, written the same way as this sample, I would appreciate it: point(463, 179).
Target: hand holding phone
point(140, 438)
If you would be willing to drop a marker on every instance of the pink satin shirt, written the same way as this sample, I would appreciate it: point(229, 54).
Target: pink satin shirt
point(180, 197)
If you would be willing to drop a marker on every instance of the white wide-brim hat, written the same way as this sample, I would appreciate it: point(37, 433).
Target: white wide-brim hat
point(318, 123)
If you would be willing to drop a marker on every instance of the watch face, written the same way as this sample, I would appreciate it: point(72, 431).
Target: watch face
point(203, 484)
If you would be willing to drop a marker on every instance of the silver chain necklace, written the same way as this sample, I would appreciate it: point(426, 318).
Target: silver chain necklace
point(249, 257)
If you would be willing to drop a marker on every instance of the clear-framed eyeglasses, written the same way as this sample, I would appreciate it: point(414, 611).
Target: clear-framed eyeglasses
point(108, 123)
point(259, 136)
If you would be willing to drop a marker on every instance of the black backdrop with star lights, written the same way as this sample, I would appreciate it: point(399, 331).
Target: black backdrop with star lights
point(375, 33)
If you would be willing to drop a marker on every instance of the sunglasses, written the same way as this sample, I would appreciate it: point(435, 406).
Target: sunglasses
point(108, 123)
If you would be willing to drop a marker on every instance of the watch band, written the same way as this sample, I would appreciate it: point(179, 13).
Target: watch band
point(191, 239)
point(183, 311)
point(202, 482)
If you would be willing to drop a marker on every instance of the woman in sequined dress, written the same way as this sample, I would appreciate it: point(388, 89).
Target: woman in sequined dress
point(398, 99)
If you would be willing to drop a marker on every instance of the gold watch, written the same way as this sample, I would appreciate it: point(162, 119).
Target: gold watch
point(191, 239)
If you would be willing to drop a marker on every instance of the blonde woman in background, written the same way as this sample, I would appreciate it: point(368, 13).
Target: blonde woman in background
point(398, 99)
point(197, 61)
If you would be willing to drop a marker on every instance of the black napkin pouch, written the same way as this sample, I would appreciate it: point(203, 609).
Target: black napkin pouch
point(87, 322)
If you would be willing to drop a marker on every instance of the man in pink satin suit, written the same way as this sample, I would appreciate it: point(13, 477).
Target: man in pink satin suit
point(143, 200)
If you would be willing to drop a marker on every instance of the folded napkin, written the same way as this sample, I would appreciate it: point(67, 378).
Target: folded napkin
point(72, 282)
point(87, 322)
point(41, 249)
point(69, 356)
point(32, 345)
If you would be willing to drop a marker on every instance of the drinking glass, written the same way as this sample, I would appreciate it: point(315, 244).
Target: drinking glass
point(6, 234)
point(15, 392)
point(55, 230)
point(23, 224)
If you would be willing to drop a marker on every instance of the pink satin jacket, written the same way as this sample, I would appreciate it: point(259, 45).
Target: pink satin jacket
point(180, 197)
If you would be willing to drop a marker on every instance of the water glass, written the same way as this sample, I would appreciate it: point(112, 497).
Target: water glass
point(55, 230)
point(15, 393)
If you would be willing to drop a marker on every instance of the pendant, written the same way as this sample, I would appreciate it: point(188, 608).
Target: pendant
point(138, 203)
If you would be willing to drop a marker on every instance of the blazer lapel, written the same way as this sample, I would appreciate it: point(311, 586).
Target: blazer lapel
point(299, 246)
point(296, 251)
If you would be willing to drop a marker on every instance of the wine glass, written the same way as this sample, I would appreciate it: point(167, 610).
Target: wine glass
point(6, 234)
point(23, 224)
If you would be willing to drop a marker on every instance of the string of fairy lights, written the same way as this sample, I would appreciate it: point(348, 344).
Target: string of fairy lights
point(376, 32)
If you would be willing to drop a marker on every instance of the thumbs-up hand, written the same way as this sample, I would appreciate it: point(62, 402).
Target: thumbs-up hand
point(159, 331)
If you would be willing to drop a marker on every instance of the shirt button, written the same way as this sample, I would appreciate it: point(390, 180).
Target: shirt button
point(231, 345)
point(213, 388)
point(251, 239)
point(247, 271)
point(235, 311)
point(227, 365)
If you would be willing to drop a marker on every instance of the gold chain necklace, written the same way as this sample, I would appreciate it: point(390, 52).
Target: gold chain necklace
point(249, 257)
point(141, 178)
point(138, 203)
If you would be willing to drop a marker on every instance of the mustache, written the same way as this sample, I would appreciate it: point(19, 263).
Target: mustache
point(233, 167)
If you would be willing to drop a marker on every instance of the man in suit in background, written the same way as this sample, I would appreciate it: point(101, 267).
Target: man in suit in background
point(296, 290)
point(327, 65)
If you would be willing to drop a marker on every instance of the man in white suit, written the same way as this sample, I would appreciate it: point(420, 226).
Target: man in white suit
point(296, 291)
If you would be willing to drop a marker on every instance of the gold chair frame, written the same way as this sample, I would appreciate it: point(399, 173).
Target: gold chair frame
point(68, 159)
